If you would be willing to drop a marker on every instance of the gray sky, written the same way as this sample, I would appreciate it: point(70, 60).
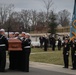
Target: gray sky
point(39, 5)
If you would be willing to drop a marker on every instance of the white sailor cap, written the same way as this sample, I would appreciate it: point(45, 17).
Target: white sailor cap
point(16, 32)
point(23, 33)
point(28, 34)
point(2, 30)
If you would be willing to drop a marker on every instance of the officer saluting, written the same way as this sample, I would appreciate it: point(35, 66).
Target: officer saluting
point(26, 42)
point(66, 48)
point(3, 48)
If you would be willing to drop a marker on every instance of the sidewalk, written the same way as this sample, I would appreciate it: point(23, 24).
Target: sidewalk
point(36, 68)
point(52, 67)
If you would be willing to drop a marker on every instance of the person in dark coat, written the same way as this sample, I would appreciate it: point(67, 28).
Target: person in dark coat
point(41, 39)
point(73, 53)
point(17, 54)
point(63, 37)
point(72, 43)
point(66, 48)
point(45, 43)
point(74, 60)
point(26, 50)
point(59, 44)
point(53, 43)
point(50, 40)
point(3, 48)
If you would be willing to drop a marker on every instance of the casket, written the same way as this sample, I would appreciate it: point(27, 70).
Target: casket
point(14, 45)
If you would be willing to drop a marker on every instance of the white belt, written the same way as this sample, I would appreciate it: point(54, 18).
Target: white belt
point(27, 47)
point(2, 45)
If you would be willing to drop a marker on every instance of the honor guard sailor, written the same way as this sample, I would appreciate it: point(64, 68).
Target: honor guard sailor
point(3, 48)
point(26, 49)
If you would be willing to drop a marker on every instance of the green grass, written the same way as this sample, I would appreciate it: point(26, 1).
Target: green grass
point(51, 57)
point(36, 50)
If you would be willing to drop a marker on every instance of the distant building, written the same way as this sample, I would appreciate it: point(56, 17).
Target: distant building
point(61, 29)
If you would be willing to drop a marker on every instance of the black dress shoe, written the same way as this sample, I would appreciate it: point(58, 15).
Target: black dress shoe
point(73, 68)
point(24, 71)
point(9, 69)
point(65, 67)
point(2, 71)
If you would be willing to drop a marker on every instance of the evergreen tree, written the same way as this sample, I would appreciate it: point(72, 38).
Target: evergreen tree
point(52, 23)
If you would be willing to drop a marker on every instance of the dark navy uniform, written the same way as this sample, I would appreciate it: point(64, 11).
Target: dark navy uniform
point(50, 40)
point(72, 50)
point(59, 44)
point(66, 48)
point(26, 42)
point(53, 43)
point(73, 53)
point(74, 60)
point(45, 43)
point(41, 38)
point(3, 48)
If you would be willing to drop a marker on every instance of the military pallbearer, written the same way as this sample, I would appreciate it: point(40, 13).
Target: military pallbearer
point(3, 48)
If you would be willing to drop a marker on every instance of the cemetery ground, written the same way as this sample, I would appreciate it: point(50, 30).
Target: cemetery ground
point(49, 56)
point(44, 63)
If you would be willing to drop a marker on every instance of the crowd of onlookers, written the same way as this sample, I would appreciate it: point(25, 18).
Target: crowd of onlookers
point(51, 41)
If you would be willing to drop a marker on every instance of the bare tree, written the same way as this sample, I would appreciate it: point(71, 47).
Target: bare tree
point(25, 17)
point(64, 17)
point(41, 17)
point(33, 19)
point(4, 13)
point(48, 4)
point(16, 24)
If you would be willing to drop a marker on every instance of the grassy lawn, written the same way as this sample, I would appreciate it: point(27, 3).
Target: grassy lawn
point(52, 57)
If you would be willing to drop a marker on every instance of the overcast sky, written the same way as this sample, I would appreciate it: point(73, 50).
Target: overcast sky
point(39, 5)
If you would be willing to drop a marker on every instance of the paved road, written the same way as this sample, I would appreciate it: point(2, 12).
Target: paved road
point(34, 71)
point(42, 69)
